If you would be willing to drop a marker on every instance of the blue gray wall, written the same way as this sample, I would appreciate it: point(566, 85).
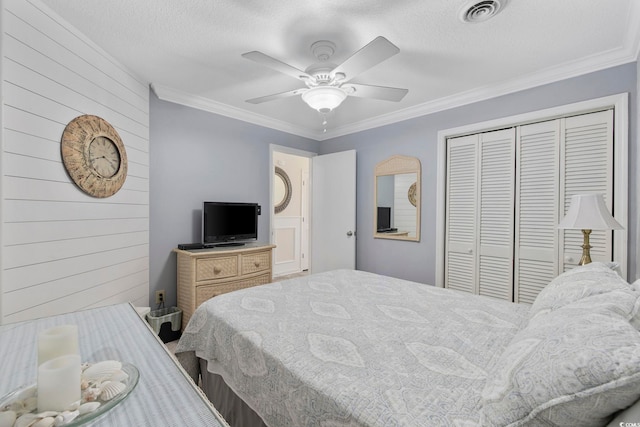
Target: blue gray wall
point(418, 137)
point(197, 156)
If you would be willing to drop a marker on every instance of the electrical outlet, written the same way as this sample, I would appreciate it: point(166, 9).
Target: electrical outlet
point(159, 297)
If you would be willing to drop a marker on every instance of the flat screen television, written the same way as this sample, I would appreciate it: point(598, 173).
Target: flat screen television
point(229, 223)
point(384, 218)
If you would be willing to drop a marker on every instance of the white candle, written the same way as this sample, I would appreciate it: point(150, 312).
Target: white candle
point(56, 342)
point(59, 383)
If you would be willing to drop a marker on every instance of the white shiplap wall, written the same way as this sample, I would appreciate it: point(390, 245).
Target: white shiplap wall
point(63, 250)
point(404, 213)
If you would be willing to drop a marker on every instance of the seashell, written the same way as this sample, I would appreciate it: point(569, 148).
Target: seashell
point(75, 405)
point(44, 422)
point(30, 404)
point(85, 408)
point(47, 414)
point(84, 384)
point(25, 420)
point(111, 389)
point(58, 420)
point(24, 405)
point(91, 394)
point(7, 418)
point(68, 416)
point(101, 370)
point(119, 376)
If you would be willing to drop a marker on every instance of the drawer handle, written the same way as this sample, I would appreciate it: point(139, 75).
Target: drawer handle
point(217, 270)
point(256, 263)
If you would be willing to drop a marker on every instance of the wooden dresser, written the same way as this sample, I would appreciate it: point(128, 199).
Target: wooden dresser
point(205, 273)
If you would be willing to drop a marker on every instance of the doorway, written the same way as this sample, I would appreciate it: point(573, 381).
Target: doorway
point(290, 206)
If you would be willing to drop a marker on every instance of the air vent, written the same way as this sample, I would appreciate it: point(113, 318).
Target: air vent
point(479, 11)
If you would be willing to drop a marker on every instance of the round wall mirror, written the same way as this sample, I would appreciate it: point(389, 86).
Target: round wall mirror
point(281, 190)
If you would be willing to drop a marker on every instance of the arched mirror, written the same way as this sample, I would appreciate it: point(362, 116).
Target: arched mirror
point(397, 199)
point(281, 190)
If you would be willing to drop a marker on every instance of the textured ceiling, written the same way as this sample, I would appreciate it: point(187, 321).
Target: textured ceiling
point(190, 50)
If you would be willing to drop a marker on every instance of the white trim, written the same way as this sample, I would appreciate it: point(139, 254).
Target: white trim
point(637, 276)
point(287, 150)
point(2, 109)
point(190, 100)
point(619, 102)
point(549, 75)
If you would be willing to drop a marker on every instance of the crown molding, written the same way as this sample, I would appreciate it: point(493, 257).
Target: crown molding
point(195, 101)
point(629, 53)
point(550, 75)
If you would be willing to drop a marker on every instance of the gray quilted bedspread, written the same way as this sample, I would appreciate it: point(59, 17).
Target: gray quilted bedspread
point(349, 348)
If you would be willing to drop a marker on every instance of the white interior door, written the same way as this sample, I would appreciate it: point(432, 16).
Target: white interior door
point(287, 237)
point(333, 218)
point(304, 244)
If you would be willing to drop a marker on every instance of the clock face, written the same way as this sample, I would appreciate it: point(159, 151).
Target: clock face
point(104, 156)
point(412, 195)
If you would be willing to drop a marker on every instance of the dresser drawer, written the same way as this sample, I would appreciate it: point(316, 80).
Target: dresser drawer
point(205, 292)
point(256, 262)
point(216, 268)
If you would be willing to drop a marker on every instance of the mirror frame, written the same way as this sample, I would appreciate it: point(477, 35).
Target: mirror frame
point(392, 166)
point(287, 190)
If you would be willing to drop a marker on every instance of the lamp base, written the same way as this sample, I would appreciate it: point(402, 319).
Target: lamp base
point(586, 254)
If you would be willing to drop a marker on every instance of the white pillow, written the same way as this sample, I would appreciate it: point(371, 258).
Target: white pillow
point(573, 285)
point(574, 366)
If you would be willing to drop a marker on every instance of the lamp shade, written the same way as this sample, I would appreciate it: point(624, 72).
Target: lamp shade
point(589, 212)
point(324, 98)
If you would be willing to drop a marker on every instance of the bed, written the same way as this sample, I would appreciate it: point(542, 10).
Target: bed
point(350, 348)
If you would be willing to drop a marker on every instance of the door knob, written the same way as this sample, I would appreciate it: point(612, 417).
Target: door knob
point(349, 233)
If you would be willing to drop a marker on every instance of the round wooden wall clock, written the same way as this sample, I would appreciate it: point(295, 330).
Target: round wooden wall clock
point(411, 194)
point(94, 156)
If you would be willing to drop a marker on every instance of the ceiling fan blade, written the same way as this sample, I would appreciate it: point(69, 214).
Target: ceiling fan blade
point(377, 92)
point(275, 96)
point(370, 55)
point(277, 65)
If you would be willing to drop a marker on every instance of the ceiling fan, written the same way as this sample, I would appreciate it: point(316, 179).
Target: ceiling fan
point(327, 85)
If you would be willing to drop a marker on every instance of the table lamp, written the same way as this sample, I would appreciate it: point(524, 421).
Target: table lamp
point(588, 212)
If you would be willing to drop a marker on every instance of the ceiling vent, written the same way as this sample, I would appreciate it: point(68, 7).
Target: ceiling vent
point(479, 11)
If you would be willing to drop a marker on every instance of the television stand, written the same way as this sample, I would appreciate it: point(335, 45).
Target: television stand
point(225, 245)
point(205, 274)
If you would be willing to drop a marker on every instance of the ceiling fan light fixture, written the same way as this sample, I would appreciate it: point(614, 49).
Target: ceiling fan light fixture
point(324, 98)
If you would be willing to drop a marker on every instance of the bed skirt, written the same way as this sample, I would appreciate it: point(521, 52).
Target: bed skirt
point(234, 410)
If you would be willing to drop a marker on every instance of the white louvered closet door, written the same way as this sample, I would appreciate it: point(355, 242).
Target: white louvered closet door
point(479, 246)
point(586, 151)
point(537, 184)
point(495, 213)
point(506, 193)
point(461, 230)
point(557, 159)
